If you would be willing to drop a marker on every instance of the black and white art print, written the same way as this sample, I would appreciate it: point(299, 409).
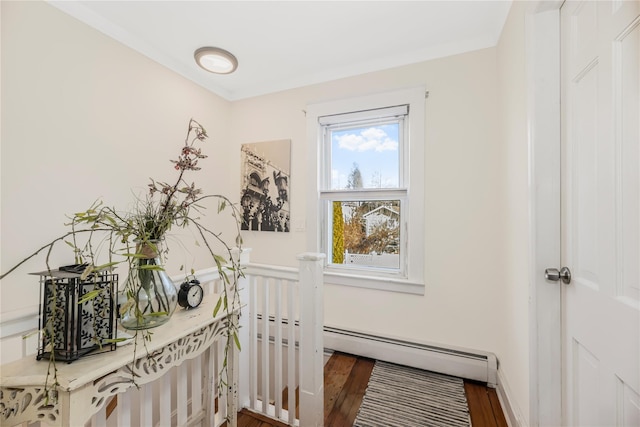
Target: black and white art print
point(265, 186)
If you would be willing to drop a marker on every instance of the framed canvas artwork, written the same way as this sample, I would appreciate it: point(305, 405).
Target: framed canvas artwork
point(265, 186)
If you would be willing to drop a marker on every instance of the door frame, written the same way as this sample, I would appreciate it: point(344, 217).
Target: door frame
point(542, 38)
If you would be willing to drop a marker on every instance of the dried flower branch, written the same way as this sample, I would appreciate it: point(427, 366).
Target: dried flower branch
point(166, 205)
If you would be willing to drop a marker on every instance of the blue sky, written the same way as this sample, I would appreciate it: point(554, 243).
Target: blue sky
point(373, 148)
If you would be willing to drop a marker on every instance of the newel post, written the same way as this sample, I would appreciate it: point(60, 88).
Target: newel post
point(311, 341)
point(238, 391)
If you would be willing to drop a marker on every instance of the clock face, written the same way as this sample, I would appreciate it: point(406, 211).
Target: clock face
point(194, 296)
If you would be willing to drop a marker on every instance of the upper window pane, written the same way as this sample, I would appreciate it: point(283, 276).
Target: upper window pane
point(365, 156)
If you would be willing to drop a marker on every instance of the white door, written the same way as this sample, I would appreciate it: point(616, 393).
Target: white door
point(601, 212)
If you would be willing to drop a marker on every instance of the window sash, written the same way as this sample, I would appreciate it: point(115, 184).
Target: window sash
point(376, 114)
point(364, 194)
point(326, 243)
point(381, 116)
point(357, 120)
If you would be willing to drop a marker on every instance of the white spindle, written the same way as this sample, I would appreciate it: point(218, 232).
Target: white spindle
point(232, 390)
point(208, 391)
point(100, 418)
point(24, 351)
point(181, 394)
point(146, 405)
point(164, 401)
point(291, 353)
point(244, 335)
point(124, 409)
point(265, 346)
point(311, 343)
point(222, 398)
point(253, 342)
point(196, 385)
point(211, 376)
point(277, 348)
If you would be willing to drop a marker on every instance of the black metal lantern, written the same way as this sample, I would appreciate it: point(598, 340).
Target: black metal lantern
point(77, 314)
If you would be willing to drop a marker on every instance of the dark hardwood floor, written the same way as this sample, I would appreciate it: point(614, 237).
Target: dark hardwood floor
point(345, 381)
point(484, 406)
point(341, 405)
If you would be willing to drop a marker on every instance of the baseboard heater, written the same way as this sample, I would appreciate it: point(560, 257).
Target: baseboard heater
point(463, 363)
point(460, 362)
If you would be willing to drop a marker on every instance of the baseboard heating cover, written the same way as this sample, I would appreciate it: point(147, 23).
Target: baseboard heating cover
point(459, 362)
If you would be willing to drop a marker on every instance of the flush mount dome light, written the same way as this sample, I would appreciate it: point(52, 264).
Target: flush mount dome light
point(216, 60)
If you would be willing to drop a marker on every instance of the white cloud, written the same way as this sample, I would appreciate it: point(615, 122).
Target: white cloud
point(369, 139)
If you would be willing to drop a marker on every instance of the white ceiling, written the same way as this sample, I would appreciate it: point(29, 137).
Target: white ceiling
point(285, 44)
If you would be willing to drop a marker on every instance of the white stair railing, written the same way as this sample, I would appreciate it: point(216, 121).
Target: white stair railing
point(284, 322)
point(311, 339)
point(278, 372)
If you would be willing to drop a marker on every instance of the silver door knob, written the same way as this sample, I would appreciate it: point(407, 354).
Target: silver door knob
point(554, 275)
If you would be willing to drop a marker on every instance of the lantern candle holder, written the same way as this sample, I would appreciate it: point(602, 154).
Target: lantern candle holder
point(77, 315)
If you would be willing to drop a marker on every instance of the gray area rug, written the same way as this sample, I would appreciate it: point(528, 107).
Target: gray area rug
point(407, 397)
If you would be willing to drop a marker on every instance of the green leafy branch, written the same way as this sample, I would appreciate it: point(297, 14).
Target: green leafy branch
point(126, 234)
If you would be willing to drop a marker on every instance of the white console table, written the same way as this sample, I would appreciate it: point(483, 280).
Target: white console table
point(87, 384)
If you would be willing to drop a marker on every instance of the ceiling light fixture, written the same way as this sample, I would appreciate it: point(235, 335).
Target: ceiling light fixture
point(216, 60)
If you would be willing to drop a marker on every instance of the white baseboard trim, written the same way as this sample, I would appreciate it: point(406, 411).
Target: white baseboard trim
point(512, 412)
point(459, 362)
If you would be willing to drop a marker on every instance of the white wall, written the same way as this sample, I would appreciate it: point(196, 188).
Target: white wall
point(84, 117)
point(464, 215)
point(514, 136)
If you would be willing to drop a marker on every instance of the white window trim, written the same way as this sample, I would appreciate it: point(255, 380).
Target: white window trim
point(414, 156)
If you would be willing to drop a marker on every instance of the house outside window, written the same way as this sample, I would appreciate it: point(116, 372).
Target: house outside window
point(368, 192)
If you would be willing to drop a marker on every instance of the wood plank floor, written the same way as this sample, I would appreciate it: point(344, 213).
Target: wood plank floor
point(345, 381)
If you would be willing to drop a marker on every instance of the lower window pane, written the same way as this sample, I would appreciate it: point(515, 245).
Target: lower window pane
point(366, 234)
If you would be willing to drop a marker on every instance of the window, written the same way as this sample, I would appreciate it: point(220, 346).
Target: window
point(368, 190)
point(363, 190)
